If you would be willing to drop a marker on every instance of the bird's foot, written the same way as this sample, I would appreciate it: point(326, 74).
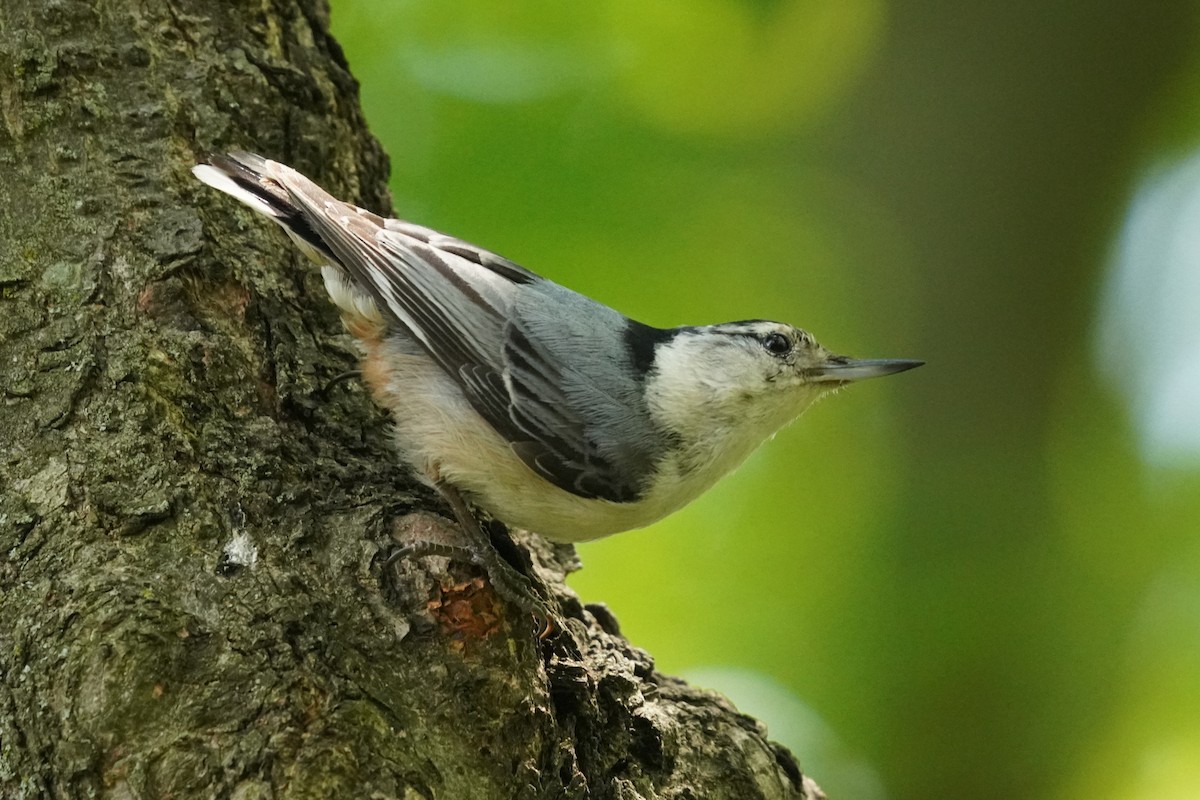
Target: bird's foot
point(478, 549)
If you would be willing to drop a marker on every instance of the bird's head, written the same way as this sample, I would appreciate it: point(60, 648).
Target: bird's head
point(755, 374)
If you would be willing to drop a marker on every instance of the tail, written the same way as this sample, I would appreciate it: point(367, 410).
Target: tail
point(248, 178)
point(284, 195)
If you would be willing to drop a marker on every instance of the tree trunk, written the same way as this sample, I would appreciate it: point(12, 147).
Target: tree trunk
point(192, 494)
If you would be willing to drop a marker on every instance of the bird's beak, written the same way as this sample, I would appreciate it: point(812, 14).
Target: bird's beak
point(839, 370)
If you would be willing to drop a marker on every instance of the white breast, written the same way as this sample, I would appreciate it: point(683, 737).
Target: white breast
point(443, 438)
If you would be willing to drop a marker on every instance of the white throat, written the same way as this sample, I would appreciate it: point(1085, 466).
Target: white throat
point(718, 417)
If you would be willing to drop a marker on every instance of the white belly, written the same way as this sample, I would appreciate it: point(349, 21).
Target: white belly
point(444, 438)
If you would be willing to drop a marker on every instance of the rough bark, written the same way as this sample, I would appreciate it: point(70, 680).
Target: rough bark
point(191, 500)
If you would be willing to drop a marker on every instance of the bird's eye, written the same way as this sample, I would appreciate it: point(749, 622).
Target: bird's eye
point(777, 344)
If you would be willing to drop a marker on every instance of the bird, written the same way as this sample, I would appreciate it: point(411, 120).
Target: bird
point(510, 393)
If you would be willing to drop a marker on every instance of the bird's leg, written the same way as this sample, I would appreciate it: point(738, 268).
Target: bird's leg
point(508, 582)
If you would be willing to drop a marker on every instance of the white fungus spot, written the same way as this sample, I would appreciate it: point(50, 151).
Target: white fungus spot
point(241, 550)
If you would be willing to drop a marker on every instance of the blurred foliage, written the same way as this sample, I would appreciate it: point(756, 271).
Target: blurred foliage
point(969, 578)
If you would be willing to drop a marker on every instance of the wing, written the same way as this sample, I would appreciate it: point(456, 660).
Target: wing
point(463, 305)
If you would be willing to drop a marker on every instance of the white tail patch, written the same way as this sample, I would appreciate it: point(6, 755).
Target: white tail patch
point(222, 182)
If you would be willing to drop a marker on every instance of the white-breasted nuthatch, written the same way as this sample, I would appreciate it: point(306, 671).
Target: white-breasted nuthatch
point(547, 409)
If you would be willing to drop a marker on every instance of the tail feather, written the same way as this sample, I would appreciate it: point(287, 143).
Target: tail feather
point(284, 195)
point(245, 177)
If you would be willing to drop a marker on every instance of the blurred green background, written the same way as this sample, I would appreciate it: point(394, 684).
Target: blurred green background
point(977, 580)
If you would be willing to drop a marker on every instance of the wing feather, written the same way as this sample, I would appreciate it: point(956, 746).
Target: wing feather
point(460, 303)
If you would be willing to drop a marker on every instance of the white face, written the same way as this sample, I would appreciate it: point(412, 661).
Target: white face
point(723, 389)
point(747, 379)
point(758, 356)
point(755, 374)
